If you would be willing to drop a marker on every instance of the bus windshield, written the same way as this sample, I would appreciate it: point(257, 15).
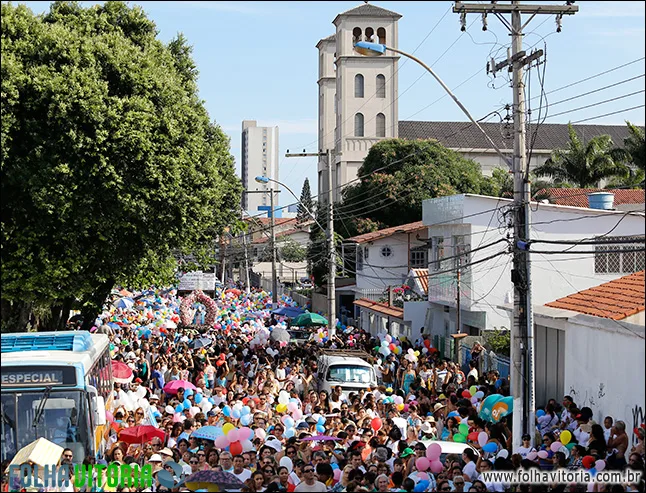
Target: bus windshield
point(349, 374)
point(64, 420)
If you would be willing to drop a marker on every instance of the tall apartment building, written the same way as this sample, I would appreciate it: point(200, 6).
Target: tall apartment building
point(259, 157)
point(357, 94)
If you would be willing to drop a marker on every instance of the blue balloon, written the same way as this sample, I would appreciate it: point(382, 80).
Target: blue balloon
point(179, 408)
point(321, 420)
point(198, 398)
point(498, 383)
point(212, 400)
point(289, 422)
point(188, 392)
point(422, 485)
point(289, 432)
point(490, 447)
point(235, 414)
point(226, 411)
point(593, 472)
point(187, 404)
point(540, 413)
point(245, 410)
point(246, 419)
point(320, 428)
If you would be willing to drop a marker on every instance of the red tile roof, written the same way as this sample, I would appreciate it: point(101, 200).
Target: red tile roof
point(422, 277)
point(383, 308)
point(385, 233)
point(617, 299)
point(578, 197)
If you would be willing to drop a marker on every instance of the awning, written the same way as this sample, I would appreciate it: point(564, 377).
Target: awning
point(381, 308)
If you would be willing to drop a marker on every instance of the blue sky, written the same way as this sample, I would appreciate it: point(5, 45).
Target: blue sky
point(258, 61)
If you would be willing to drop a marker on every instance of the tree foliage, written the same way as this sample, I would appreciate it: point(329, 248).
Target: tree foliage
point(584, 164)
point(291, 251)
point(397, 175)
point(634, 154)
point(305, 204)
point(110, 163)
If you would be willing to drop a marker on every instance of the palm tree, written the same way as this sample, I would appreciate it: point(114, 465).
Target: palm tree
point(634, 154)
point(584, 164)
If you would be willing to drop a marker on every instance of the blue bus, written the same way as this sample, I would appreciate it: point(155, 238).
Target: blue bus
point(55, 385)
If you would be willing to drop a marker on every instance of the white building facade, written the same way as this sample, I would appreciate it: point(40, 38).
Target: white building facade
point(463, 223)
point(259, 157)
point(357, 94)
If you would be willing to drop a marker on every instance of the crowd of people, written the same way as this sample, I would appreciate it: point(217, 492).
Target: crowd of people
point(278, 432)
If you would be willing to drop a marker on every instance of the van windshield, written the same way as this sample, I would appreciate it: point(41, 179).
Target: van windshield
point(349, 374)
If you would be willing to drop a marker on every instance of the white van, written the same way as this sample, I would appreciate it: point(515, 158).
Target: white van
point(348, 368)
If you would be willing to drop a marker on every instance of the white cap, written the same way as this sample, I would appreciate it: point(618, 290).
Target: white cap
point(155, 458)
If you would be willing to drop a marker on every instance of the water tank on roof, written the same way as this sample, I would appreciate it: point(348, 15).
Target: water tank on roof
point(601, 200)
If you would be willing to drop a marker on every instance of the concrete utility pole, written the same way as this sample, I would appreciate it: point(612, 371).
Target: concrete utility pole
point(274, 276)
point(522, 334)
point(331, 284)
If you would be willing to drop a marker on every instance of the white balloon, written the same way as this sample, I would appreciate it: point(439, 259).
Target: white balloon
point(247, 446)
point(287, 462)
point(283, 397)
point(169, 409)
point(207, 406)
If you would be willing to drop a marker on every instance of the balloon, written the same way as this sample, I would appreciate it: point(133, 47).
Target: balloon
point(235, 448)
point(289, 432)
point(198, 398)
point(287, 462)
point(245, 434)
point(235, 414)
point(187, 404)
point(283, 397)
point(233, 435)
point(473, 436)
point(292, 407)
point(483, 438)
point(194, 410)
point(540, 413)
point(490, 447)
point(592, 471)
point(226, 410)
point(466, 394)
point(246, 420)
point(588, 462)
point(188, 392)
point(260, 433)
point(247, 446)
point(179, 408)
point(227, 428)
point(337, 475)
point(473, 390)
point(421, 485)
point(479, 394)
point(556, 446)
point(433, 452)
point(298, 414)
point(245, 410)
point(463, 429)
point(542, 454)
point(399, 399)
point(460, 438)
point(281, 408)
point(321, 420)
point(288, 421)
point(436, 467)
point(376, 424)
point(600, 465)
point(532, 456)
point(422, 464)
point(320, 428)
point(222, 442)
point(565, 436)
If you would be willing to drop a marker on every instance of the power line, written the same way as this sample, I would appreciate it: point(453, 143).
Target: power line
point(596, 104)
point(608, 114)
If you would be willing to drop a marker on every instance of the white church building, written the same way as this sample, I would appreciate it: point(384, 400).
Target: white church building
point(358, 106)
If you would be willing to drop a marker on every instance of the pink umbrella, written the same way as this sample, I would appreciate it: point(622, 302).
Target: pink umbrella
point(121, 372)
point(141, 434)
point(173, 386)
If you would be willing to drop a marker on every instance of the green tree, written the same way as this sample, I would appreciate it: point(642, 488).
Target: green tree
point(584, 164)
point(397, 175)
point(305, 203)
point(111, 166)
point(501, 184)
point(291, 251)
point(634, 154)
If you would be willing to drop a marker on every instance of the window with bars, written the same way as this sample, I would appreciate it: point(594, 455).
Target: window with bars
point(460, 249)
point(438, 252)
point(620, 258)
point(419, 257)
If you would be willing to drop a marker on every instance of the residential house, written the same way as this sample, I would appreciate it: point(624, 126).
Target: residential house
point(382, 261)
point(587, 343)
point(470, 234)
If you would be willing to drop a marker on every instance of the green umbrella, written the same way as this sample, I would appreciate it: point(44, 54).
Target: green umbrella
point(309, 320)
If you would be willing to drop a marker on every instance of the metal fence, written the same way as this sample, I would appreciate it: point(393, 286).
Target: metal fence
point(444, 345)
point(489, 361)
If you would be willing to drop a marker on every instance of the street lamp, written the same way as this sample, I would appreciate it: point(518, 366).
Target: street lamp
point(377, 49)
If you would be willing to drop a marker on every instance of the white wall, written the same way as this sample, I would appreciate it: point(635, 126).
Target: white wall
point(415, 313)
point(488, 159)
point(553, 276)
point(260, 160)
point(604, 369)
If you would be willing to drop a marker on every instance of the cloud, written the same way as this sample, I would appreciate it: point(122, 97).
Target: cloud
point(611, 9)
point(303, 126)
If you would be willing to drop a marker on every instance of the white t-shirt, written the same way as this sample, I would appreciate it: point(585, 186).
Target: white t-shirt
point(473, 372)
point(243, 476)
point(317, 487)
point(523, 451)
point(470, 471)
point(280, 373)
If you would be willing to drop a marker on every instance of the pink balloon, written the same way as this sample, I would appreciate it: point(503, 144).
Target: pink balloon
point(437, 467)
point(233, 435)
point(433, 452)
point(532, 456)
point(542, 454)
point(600, 465)
point(337, 475)
point(245, 433)
point(298, 414)
point(422, 476)
point(483, 438)
point(292, 406)
point(556, 446)
point(109, 416)
point(422, 464)
point(222, 442)
point(260, 433)
point(177, 418)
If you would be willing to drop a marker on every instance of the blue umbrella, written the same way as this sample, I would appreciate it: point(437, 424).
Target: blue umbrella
point(208, 432)
point(289, 311)
point(124, 303)
point(114, 325)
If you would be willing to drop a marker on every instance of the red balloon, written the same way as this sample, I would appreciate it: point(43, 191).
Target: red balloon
point(473, 436)
point(427, 343)
point(376, 424)
point(588, 462)
point(235, 448)
point(466, 394)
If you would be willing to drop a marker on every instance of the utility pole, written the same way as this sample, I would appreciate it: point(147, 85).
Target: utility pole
point(458, 315)
point(246, 263)
point(331, 284)
point(522, 338)
point(274, 278)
